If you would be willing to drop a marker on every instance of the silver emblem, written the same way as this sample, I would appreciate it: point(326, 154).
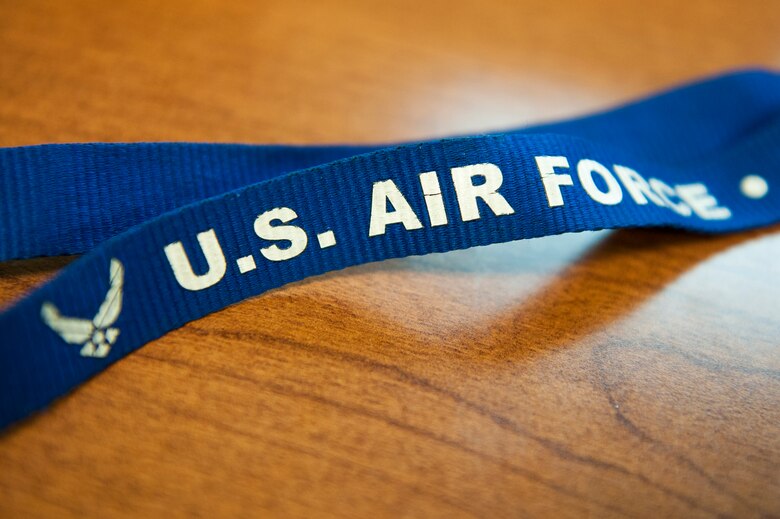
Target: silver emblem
point(97, 335)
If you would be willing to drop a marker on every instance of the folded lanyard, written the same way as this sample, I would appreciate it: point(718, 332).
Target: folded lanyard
point(173, 231)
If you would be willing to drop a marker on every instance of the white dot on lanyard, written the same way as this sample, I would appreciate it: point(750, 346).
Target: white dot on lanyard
point(754, 186)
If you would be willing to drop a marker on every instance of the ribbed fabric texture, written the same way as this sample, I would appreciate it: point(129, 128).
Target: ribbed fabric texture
point(129, 201)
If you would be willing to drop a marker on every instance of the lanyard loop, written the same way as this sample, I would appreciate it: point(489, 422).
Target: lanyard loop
point(176, 231)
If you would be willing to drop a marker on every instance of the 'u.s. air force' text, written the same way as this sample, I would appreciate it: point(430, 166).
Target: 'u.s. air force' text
point(390, 206)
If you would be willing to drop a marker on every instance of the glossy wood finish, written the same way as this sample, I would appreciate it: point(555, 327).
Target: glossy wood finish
point(630, 373)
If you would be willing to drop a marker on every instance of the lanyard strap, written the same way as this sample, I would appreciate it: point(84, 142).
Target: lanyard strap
point(176, 231)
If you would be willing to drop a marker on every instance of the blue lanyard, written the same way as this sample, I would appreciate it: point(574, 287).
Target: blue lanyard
point(174, 231)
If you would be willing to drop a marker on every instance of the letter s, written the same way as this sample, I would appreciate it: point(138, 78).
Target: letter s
point(291, 233)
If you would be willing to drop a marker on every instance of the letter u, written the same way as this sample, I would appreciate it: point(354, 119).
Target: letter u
point(182, 268)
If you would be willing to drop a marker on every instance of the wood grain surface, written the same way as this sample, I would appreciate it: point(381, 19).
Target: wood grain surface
point(628, 373)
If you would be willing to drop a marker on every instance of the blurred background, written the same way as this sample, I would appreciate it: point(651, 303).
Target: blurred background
point(291, 71)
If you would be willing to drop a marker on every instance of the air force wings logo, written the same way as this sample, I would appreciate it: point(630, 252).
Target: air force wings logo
point(97, 335)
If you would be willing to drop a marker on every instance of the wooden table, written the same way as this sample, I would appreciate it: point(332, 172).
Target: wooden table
point(629, 373)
